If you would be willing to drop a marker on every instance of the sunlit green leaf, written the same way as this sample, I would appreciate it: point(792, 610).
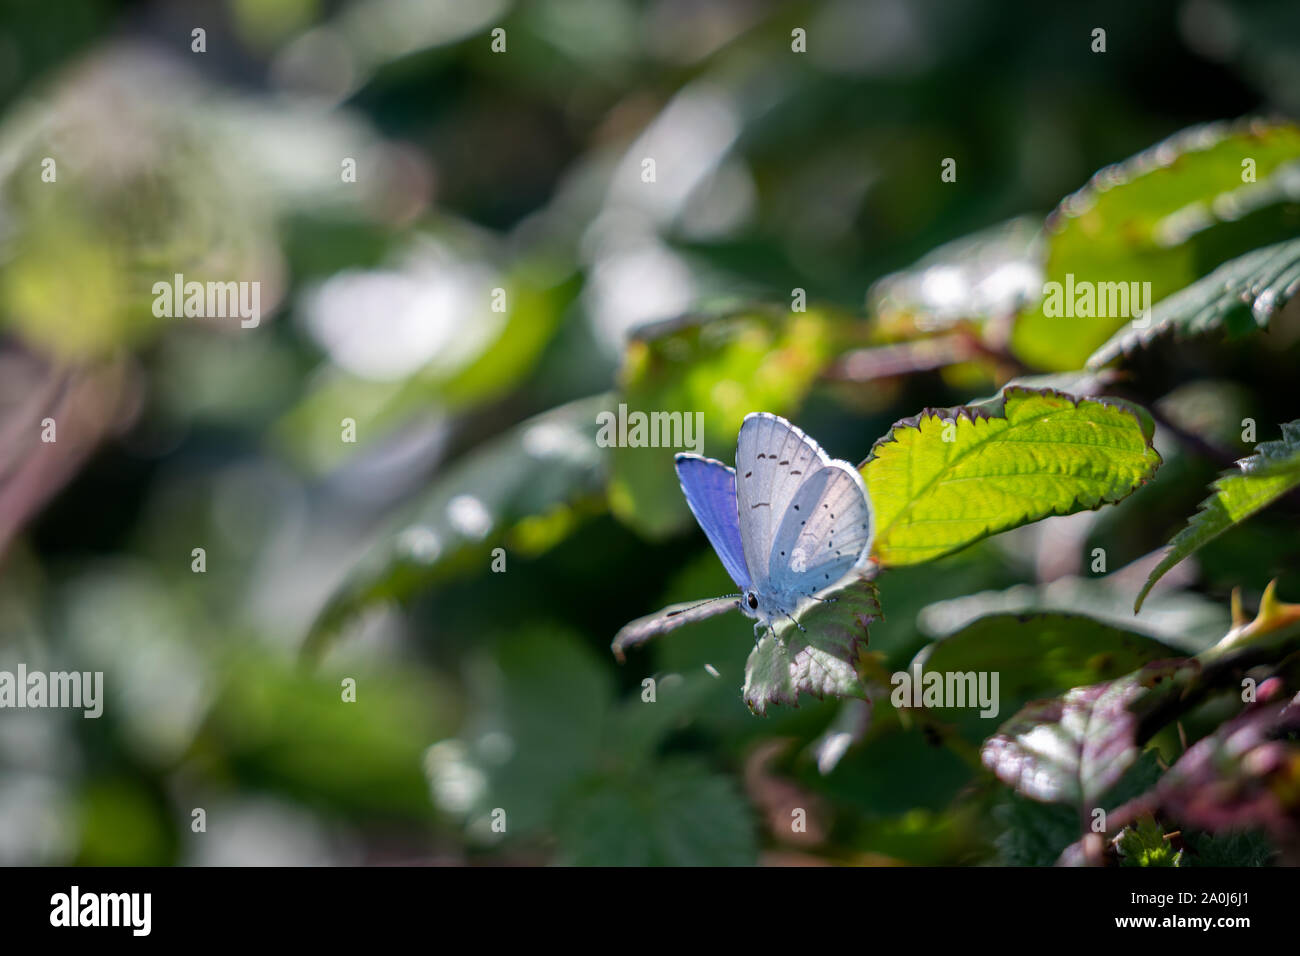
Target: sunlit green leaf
point(949, 477)
point(1160, 217)
point(1144, 844)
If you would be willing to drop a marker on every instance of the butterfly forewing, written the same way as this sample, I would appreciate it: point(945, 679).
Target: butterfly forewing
point(773, 459)
point(710, 490)
point(823, 534)
point(668, 619)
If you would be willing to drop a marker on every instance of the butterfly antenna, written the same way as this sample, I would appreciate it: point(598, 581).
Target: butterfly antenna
point(720, 597)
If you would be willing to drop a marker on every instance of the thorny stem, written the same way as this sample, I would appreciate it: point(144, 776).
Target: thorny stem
point(962, 344)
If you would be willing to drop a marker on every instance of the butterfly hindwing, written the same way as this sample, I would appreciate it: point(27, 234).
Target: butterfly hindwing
point(824, 533)
point(710, 490)
point(773, 459)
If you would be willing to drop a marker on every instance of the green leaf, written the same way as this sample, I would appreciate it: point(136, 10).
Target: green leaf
point(678, 815)
point(1144, 844)
point(1166, 216)
point(821, 659)
point(1073, 748)
point(992, 273)
point(1021, 457)
point(1042, 653)
point(1242, 294)
point(122, 822)
point(1032, 833)
point(636, 727)
point(525, 489)
point(1230, 848)
point(1260, 480)
point(721, 368)
point(535, 733)
point(1182, 620)
point(547, 744)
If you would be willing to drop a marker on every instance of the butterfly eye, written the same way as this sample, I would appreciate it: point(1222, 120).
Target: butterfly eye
point(753, 601)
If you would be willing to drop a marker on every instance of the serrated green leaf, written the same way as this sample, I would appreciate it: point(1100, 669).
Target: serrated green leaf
point(1260, 480)
point(1159, 217)
point(821, 659)
point(1033, 833)
point(1230, 848)
point(722, 368)
point(1244, 293)
point(678, 815)
point(1024, 456)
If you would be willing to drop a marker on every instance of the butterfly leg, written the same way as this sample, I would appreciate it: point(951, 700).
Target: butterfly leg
point(794, 622)
point(823, 600)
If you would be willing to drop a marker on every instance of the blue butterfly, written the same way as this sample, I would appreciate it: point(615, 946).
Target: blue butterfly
point(787, 522)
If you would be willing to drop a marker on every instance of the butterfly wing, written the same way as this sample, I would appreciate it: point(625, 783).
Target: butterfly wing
point(824, 534)
point(669, 619)
point(710, 490)
point(773, 460)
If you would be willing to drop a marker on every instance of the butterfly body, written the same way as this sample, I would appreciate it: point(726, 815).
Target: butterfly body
point(788, 522)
